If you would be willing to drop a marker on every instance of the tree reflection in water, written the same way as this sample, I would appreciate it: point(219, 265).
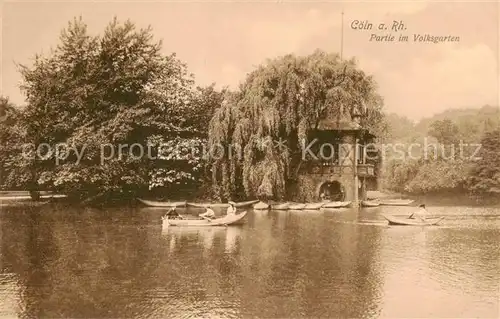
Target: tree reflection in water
point(121, 263)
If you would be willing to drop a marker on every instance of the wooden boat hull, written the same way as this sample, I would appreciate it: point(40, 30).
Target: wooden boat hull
point(412, 222)
point(336, 204)
point(246, 204)
point(283, 206)
point(162, 204)
point(261, 206)
point(296, 206)
point(396, 202)
point(223, 221)
point(208, 205)
point(21, 198)
point(313, 206)
point(367, 203)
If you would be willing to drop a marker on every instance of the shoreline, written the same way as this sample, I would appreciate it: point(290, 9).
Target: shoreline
point(431, 199)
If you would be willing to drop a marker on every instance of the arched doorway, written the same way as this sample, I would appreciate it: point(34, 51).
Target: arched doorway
point(332, 191)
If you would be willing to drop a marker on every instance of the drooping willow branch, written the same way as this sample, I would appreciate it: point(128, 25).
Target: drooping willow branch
point(274, 111)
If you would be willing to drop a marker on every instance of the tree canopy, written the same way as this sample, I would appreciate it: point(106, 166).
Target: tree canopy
point(112, 89)
point(11, 136)
point(274, 110)
point(450, 167)
point(485, 175)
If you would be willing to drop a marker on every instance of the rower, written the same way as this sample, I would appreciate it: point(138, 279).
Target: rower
point(173, 214)
point(208, 215)
point(420, 214)
point(231, 210)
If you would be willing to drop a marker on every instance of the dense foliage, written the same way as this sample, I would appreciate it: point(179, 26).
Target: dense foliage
point(96, 94)
point(12, 133)
point(459, 152)
point(272, 114)
point(485, 175)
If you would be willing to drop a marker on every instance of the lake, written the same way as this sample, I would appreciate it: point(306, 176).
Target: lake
point(57, 261)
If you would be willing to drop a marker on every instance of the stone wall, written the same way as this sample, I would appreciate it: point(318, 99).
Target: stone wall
point(310, 179)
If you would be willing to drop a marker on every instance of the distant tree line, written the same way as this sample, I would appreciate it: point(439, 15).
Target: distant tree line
point(467, 160)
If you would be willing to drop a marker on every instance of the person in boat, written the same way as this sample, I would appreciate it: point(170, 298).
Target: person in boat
point(209, 214)
point(173, 214)
point(420, 214)
point(231, 210)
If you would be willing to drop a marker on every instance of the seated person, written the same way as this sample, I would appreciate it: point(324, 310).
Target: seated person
point(209, 214)
point(231, 210)
point(420, 214)
point(173, 214)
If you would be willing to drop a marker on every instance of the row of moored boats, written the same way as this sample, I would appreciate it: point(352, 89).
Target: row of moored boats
point(259, 205)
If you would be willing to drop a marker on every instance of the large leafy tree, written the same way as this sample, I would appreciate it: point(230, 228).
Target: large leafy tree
point(185, 154)
point(113, 89)
point(12, 131)
point(283, 101)
point(485, 175)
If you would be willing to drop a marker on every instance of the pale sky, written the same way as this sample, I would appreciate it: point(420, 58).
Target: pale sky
point(222, 41)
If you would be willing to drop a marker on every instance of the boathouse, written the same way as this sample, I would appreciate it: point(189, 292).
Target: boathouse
point(343, 165)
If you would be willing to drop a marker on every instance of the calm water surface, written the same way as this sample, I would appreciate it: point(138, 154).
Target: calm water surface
point(61, 262)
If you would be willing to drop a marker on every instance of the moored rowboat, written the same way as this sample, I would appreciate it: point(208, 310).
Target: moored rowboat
point(223, 221)
point(412, 222)
point(162, 204)
point(261, 206)
point(283, 206)
point(313, 206)
point(396, 202)
point(28, 197)
point(336, 204)
point(246, 204)
point(370, 203)
point(208, 205)
point(296, 206)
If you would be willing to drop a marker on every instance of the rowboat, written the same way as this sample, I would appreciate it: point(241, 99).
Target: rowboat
point(370, 203)
point(245, 204)
point(336, 204)
point(296, 206)
point(412, 222)
point(162, 204)
point(28, 197)
point(222, 221)
point(314, 206)
point(283, 206)
point(261, 206)
point(208, 205)
point(396, 202)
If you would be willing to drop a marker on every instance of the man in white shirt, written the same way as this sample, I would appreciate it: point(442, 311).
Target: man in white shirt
point(173, 214)
point(231, 210)
point(208, 215)
point(420, 214)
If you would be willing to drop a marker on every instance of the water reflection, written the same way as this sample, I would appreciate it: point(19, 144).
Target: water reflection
point(450, 272)
point(62, 262)
point(204, 236)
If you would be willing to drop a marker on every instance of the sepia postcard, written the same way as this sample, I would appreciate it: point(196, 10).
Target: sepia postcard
point(249, 159)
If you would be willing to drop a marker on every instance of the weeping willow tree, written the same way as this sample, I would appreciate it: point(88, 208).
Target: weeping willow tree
point(259, 130)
